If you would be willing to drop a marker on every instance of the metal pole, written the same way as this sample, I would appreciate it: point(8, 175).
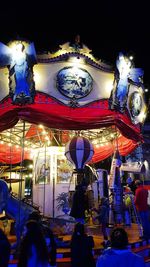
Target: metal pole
point(20, 182)
point(10, 188)
point(44, 180)
point(53, 196)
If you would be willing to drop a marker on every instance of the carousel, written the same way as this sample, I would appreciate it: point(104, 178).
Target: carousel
point(65, 111)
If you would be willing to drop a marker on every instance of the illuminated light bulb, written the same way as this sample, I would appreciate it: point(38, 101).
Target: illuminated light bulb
point(40, 126)
point(109, 87)
point(49, 142)
point(98, 145)
point(30, 166)
point(131, 57)
point(142, 116)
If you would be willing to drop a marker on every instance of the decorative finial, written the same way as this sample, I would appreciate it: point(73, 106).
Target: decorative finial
point(77, 39)
point(77, 44)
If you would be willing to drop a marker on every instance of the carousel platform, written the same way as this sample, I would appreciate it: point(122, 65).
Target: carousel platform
point(137, 245)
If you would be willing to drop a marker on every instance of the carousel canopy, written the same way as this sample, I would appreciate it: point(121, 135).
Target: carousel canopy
point(69, 92)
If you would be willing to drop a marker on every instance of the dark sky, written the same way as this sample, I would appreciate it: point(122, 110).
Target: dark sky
point(105, 26)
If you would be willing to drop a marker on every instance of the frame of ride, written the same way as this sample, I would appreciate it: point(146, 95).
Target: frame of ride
point(71, 90)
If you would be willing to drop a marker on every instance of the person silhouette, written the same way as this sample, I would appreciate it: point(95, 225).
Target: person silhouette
point(81, 248)
point(118, 254)
point(33, 251)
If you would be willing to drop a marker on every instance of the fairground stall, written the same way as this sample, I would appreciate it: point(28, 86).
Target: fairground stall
point(48, 99)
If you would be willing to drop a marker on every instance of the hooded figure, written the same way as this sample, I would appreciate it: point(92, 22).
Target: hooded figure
point(118, 254)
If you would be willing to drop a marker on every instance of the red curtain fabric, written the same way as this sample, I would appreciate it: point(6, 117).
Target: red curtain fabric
point(53, 114)
point(13, 154)
point(124, 145)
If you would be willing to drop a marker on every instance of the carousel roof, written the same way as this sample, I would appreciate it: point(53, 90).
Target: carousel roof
point(69, 92)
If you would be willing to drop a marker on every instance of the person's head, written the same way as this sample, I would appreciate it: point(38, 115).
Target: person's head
point(126, 188)
point(119, 238)
point(138, 183)
point(33, 226)
point(35, 215)
point(129, 180)
point(79, 229)
point(33, 231)
point(33, 236)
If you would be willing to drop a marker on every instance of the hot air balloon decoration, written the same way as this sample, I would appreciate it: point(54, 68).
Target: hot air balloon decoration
point(79, 151)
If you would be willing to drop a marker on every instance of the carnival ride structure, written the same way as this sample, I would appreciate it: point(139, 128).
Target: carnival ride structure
point(70, 93)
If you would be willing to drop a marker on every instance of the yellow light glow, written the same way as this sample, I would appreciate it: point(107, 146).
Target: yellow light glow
point(97, 145)
point(61, 149)
point(40, 126)
point(30, 166)
point(32, 154)
point(108, 87)
point(76, 61)
point(142, 116)
point(131, 57)
point(101, 144)
point(49, 142)
point(37, 77)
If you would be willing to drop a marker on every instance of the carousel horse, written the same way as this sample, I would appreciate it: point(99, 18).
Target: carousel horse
point(14, 208)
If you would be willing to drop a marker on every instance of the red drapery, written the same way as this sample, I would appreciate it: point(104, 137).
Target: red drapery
point(49, 112)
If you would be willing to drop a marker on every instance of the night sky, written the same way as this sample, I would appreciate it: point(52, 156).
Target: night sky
point(106, 27)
